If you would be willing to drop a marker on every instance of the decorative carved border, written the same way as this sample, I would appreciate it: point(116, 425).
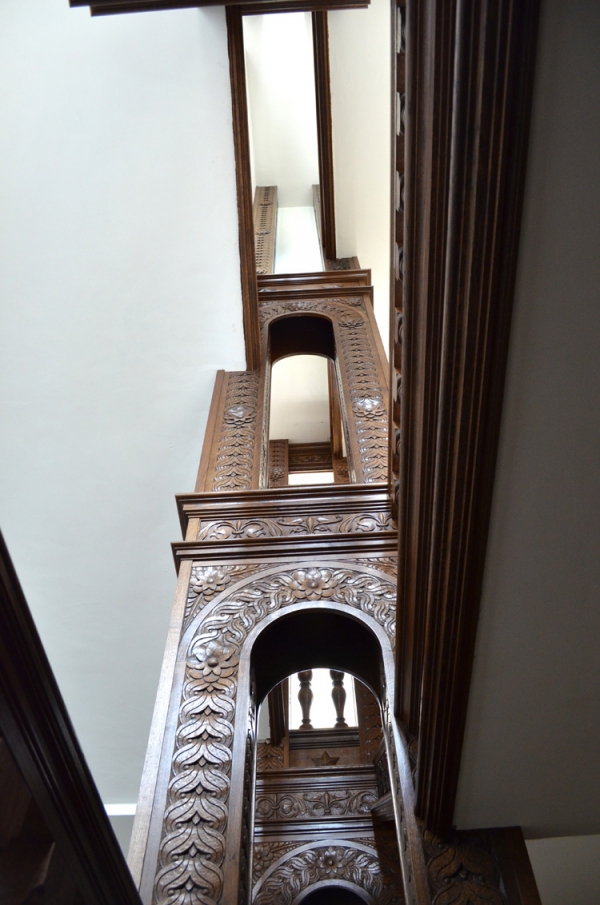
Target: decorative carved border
point(287, 526)
point(234, 462)
point(196, 814)
point(273, 805)
point(339, 861)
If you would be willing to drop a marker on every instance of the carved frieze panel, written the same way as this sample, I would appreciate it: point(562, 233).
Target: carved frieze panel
point(234, 463)
point(272, 805)
point(285, 526)
point(358, 865)
point(190, 862)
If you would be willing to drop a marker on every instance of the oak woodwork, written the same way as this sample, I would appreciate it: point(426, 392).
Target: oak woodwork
point(307, 457)
point(305, 696)
point(324, 135)
point(338, 693)
point(469, 77)
point(279, 712)
point(264, 213)
point(339, 279)
point(279, 460)
point(241, 143)
point(38, 733)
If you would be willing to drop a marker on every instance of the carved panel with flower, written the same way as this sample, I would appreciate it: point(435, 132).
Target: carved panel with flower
point(359, 522)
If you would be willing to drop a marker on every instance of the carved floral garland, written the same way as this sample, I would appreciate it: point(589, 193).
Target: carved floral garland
point(193, 843)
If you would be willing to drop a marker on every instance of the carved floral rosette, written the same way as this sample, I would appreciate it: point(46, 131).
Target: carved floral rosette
point(190, 862)
point(340, 861)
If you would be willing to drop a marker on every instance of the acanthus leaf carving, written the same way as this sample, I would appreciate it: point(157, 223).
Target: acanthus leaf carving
point(234, 529)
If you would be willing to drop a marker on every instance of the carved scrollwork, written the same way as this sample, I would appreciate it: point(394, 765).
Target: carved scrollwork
point(208, 581)
point(266, 853)
point(235, 455)
point(345, 862)
point(233, 529)
point(462, 872)
point(192, 846)
point(288, 806)
point(336, 307)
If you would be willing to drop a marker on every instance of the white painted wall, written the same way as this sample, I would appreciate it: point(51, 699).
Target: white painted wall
point(300, 400)
point(119, 280)
point(359, 48)
point(532, 746)
point(297, 248)
point(567, 869)
point(282, 105)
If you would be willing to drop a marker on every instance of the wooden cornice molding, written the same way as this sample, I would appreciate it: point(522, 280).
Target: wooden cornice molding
point(250, 7)
point(330, 500)
point(469, 84)
point(345, 278)
point(36, 727)
point(324, 137)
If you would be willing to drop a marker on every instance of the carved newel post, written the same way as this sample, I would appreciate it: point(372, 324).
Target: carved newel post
point(305, 697)
point(338, 693)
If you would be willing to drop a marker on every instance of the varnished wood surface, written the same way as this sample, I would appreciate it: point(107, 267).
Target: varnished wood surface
point(241, 143)
point(469, 78)
point(38, 732)
point(324, 135)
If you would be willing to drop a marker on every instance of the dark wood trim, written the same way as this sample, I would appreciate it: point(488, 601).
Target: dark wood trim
point(351, 277)
point(241, 141)
point(469, 82)
point(264, 213)
point(515, 867)
point(251, 7)
point(324, 136)
point(278, 703)
point(36, 727)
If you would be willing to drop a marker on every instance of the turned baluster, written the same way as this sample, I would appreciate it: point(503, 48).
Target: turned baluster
point(305, 697)
point(338, 693)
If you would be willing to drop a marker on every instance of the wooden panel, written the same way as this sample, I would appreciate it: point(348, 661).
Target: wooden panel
point(264, 212)
point(324, 137)
point(38, 732)
point(241, 142)
point(307, 457)
point(278, 463)
point(469, 77)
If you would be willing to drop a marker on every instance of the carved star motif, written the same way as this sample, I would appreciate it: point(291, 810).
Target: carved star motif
point(325, 760)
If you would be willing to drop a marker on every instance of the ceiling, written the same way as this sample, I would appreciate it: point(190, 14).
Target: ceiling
point(120, 284)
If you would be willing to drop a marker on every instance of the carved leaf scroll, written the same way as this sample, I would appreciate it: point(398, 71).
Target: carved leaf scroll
point(288, 806)
point(233, 529)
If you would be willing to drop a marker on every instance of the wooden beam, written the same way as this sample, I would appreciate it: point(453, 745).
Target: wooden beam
point(241, 141)
point(324, 136)
point(256, 7)
point(469, 84)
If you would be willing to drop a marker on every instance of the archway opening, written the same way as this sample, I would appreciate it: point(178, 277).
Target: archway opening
point(308, 639)
point(333, 894)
